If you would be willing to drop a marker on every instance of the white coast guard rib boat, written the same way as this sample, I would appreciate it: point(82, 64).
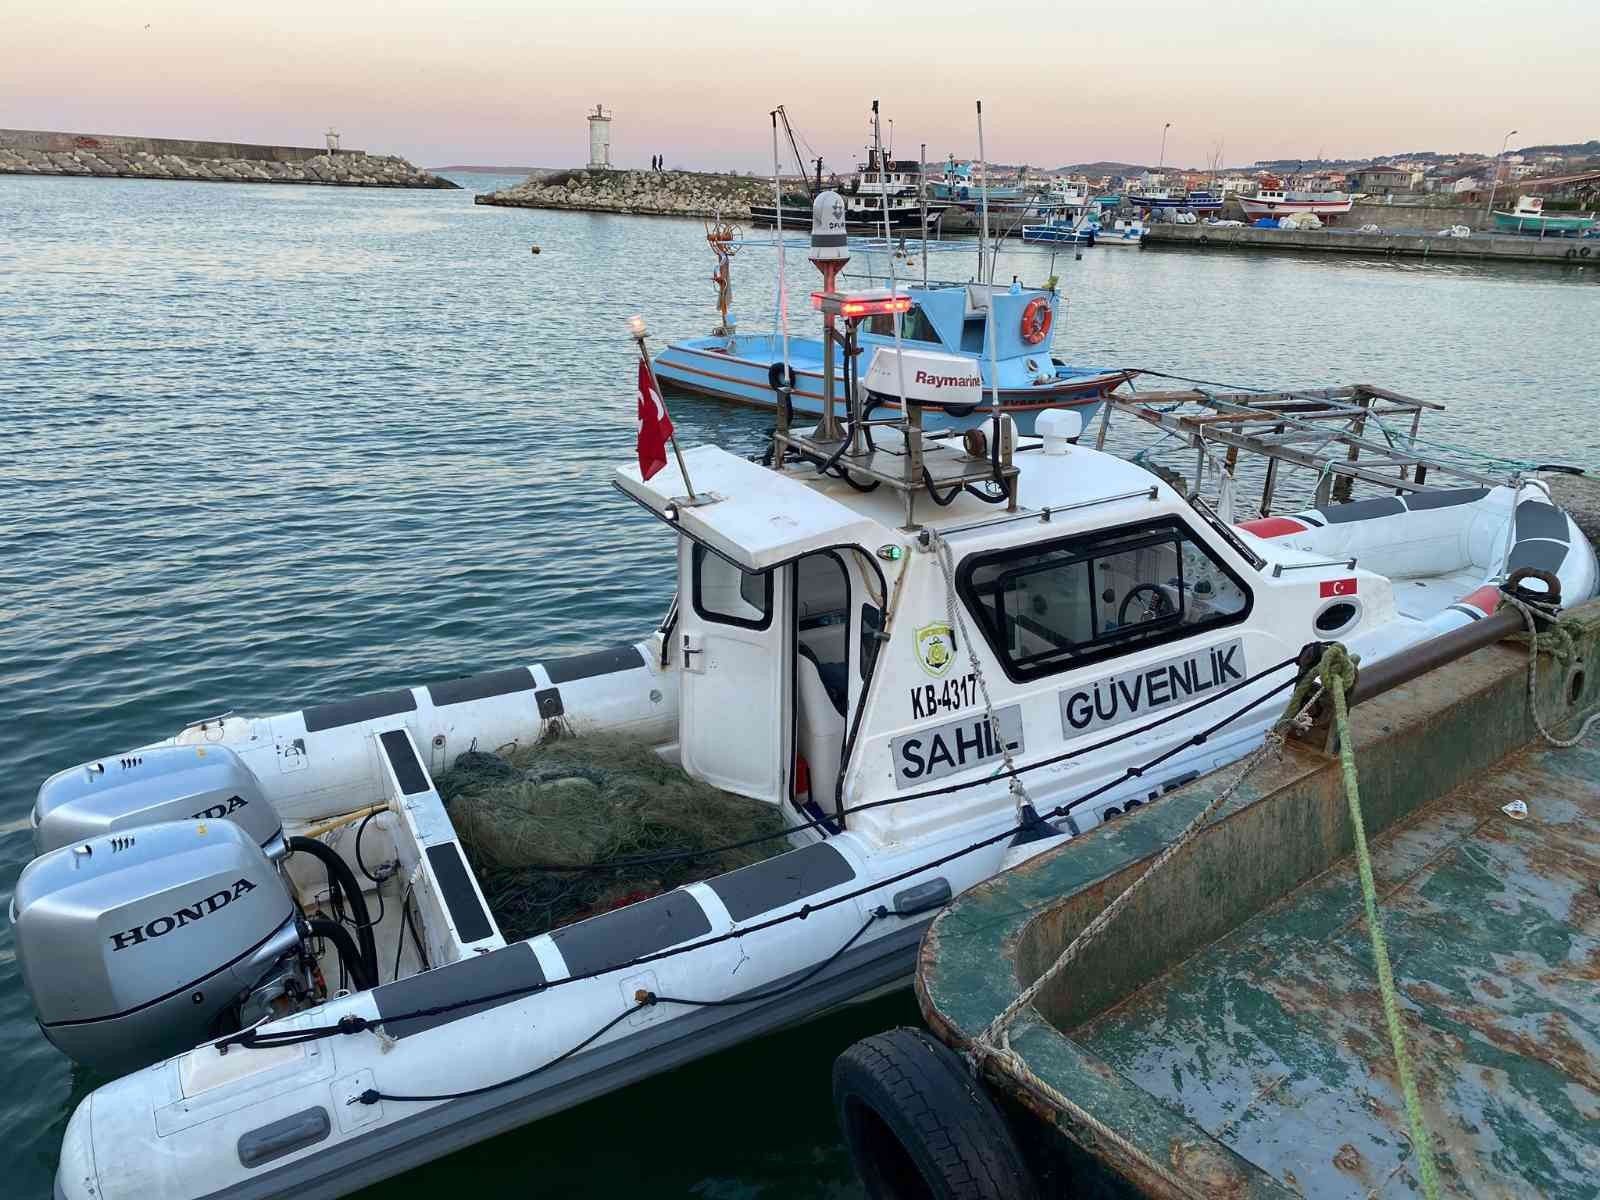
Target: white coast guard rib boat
point(1109, 619)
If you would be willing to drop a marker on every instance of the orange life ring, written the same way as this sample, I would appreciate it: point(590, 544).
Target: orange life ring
point(1036, 320)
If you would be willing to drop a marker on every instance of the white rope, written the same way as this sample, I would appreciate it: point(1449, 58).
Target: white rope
point(996, 1036)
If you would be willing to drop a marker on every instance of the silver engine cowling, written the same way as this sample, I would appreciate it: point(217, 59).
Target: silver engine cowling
point(138, 945)
point(167, 783)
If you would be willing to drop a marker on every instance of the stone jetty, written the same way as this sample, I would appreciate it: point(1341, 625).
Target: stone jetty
point(38, 152)
point(655, 193)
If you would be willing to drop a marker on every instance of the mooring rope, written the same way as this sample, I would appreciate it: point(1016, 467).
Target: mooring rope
point(1334, 674)
point(1559, 643)
point(1338, 673)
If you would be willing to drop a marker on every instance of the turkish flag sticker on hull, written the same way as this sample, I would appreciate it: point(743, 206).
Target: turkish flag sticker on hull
point(1336, 587)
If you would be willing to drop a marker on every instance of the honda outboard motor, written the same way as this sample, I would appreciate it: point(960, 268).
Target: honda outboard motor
point(168, 783)
point(140, 944)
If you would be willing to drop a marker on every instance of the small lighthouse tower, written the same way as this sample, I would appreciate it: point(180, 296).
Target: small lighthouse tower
point(333, 139)
point(600, 138)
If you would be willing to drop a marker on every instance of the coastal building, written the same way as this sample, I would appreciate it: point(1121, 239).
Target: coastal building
point(1381, 181)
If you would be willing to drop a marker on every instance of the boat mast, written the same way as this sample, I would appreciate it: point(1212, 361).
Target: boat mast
point(983, 185)
point(799, 162)
point(777, 201)
point(922, 194)
point(894, 279)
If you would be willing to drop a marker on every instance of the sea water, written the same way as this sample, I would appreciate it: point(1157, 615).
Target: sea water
point(265, 446)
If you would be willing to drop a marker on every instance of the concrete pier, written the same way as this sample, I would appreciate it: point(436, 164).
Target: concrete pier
point(1480, 247)
point(47, 152)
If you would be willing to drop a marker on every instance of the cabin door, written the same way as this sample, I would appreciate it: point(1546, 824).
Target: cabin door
point(732, 642)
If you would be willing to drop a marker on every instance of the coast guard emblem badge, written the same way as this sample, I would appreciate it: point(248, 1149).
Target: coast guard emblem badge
point(935, 648)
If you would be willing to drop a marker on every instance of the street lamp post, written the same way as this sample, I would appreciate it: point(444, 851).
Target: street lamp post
point(1161, 165)
point(1494, 183)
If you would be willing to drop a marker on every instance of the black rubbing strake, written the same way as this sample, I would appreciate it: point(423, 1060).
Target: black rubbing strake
point(601, 662)
point(1446, 498)
point(481, 687)
point(509, 969)
point(455, 886)
point(362, 708)
point(1362, 510)
point(631, 932)
point(397, 745)
point(764, 886)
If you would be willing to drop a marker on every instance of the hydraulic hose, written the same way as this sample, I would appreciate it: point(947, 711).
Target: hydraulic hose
point(325, 927)
point(342, 878)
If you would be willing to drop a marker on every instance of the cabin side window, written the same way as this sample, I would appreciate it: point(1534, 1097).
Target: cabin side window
point(914, 326)
point(1051, 608)
point(722, 592)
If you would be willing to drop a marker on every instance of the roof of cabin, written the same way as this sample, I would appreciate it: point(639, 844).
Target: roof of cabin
point(763, 517)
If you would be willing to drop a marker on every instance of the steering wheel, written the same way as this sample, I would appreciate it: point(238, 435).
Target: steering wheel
point(1159, 605)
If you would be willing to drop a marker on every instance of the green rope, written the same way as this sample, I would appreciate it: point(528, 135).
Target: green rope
point(1337, 672)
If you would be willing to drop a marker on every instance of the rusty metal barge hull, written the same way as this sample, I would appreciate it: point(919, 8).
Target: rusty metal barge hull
point(1225, 1036)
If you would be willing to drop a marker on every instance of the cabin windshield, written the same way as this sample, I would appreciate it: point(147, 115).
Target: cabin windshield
point(1050, 608)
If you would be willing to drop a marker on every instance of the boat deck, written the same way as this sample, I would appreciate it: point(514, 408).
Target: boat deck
point(1273, 1040)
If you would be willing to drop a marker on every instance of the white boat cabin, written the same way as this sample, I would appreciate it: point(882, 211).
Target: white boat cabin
point(820, 667)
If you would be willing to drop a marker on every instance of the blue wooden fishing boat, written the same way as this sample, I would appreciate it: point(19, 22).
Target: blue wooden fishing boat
point(1063, 230)
point(1193, 201)
point(950, 319)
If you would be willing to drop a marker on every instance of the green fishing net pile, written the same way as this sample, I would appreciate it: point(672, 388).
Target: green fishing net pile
point(528, 815)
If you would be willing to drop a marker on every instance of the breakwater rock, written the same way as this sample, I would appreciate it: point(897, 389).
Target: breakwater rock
point(35, 152)
point(656, 193)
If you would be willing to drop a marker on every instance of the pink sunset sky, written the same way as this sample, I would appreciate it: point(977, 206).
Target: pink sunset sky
point(508, 81)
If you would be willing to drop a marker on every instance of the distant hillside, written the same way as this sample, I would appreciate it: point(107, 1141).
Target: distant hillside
point(1567, 150)
point(1102, 168)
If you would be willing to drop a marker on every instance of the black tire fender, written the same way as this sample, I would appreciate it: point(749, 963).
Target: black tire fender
point(1583, 252)
point(920, 1126)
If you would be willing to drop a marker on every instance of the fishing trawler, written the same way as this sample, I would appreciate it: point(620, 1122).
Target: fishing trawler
point(935, 655)
point(878, 200)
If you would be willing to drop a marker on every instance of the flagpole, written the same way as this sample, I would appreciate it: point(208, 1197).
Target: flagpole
point(636, 325)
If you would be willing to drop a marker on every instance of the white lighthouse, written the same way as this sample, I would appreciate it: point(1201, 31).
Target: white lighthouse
point(600, 138)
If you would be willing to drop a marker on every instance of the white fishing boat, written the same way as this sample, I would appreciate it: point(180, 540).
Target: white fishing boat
point(1120, 232)
point(1276, 202)
point(932, 656)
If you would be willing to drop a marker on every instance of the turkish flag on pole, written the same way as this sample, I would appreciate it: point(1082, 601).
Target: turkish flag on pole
point(655, 427)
